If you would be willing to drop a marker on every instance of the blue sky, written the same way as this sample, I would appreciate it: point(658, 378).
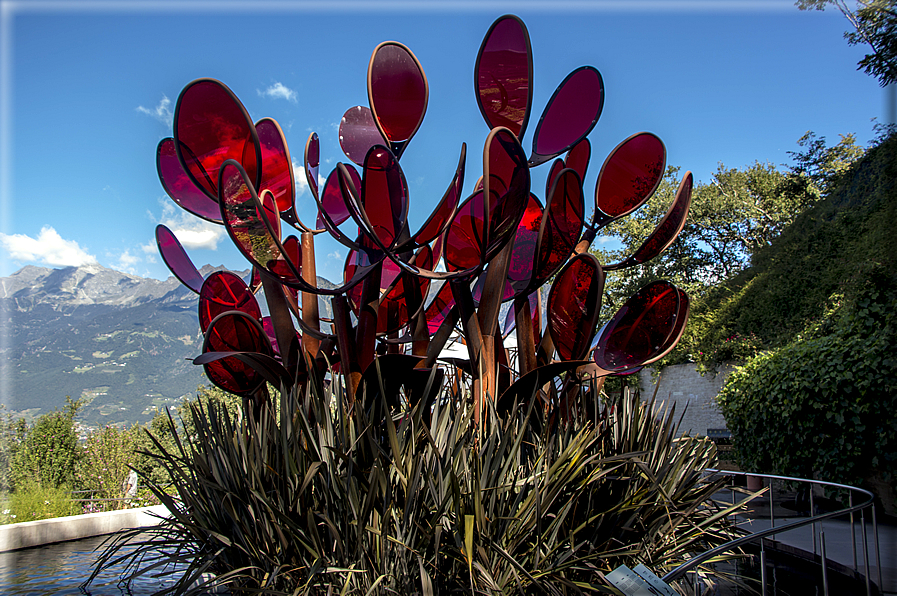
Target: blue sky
point(88, 90)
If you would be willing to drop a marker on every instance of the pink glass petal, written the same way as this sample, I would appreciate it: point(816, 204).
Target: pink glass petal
point(520, 269)
point(210, 127)
point(556, 167)
point(180, 187)
point(393, 310)
point(277, 168)
point(397, 91)
point(465, 238)
point(358, 133)
point(235, 331)
point(667, 230)
point(439, 307)
point(503, 75)
point(223, 291)
point(629, 176)
point(560, 229)
point(177, 260)
point(573, 306)
point(570, 115)
point(641, 328)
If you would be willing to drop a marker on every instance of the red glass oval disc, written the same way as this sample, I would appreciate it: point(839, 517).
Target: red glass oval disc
point(180, 186)
point(235, 331)
point(630, 175)
point(277, 168)
point(574, 303)
point(176, 259)
point(503, 75)
point(570, 115)
point(397, 91)
point(223, 291)
point(358, 133)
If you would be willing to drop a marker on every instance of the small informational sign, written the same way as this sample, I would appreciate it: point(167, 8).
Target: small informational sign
point(638, 582)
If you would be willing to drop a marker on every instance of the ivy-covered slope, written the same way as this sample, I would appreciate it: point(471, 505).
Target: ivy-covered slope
point(824, 257)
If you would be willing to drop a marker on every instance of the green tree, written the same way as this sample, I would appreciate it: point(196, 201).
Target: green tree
point(48, 453)
point(105, 462)
point(874, 23)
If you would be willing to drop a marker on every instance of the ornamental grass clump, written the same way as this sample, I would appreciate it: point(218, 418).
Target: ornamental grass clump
point(326, 500)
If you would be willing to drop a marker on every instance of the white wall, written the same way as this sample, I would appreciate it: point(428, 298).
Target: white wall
point(683, 385)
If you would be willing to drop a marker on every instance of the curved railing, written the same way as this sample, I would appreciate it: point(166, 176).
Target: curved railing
point(866, 502)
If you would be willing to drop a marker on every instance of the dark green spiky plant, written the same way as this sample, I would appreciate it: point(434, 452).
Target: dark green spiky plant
point(311, 499)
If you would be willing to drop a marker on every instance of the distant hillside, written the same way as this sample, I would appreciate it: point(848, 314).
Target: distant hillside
point(119, 341)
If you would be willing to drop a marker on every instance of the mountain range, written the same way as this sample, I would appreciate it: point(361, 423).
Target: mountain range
point(121, 343)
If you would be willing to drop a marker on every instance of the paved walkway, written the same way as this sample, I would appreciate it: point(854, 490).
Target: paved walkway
point(838, 545)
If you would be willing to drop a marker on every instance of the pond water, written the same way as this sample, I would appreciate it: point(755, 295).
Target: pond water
point(61, 568)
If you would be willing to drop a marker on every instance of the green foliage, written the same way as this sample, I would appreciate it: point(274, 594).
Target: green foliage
point(824, 404)
point(104, 464)
point(12, 433)
point(48, 454)
point(309, 498)
point(874, 23)
point(33, 501)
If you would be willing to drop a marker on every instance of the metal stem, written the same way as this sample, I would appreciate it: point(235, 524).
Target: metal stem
point(772, 516)
point(762, 569)
point(865, 552)
point(812, 510)
point(824, 563)
point(853, 535)
point(877, 547)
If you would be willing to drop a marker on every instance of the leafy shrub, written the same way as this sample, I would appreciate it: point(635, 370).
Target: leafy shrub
point(33, 501)
point(47, 453)
point(104, 464)
point(825, 404)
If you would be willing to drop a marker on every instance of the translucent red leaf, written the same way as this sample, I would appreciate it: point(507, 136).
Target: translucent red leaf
point(176, 259)
point(560, 227)
point(397, 92)
point(570, 115)
point(520, 268)
point(556, 167)
point(277, 168)
point(641, 329)
point(574, 303)
point(235, 331)
point(503, 75)
point(629, 176)
point(223, 291)
point(578, 158)
point(180, 187)
point(210, 127)
point(506, 184)
point(312, 162)
point(332, 198)
point(358, 133)
point(439, 307)
point(465, 238)
point(666, 231)
point(384, 196)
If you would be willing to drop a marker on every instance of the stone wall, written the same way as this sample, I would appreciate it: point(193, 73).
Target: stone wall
point(686, 388)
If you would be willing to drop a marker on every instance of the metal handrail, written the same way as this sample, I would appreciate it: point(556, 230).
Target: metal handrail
point(695, 561)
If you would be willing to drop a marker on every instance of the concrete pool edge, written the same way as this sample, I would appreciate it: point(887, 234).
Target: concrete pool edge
point(74, 527)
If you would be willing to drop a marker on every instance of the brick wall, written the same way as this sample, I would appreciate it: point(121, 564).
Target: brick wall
point(683, 385)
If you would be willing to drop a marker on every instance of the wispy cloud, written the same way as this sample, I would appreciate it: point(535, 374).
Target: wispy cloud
point(48, 248)
point(192, 232)
point(124, 262)
point(150, 250)
point(161, 112)
point(279, 91)
point(336, 255)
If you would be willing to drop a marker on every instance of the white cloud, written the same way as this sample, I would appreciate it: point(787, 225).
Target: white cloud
point(48, 248)
point(279, 91)
point(161, 112)
point(192, 232)
point(336, 255)
point(125, 262)
point(302, 181)
point(150, 250)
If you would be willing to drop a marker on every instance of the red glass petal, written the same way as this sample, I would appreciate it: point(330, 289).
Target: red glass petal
point(667, 230)
point(332, 198)
point(312, 162)
point(570, 115)
point(397, 91)
point(504, 74)
point(573, 306)
point(556, 167)
point(464, 240)
point(560, 230)
point(384, 196)
point(578, 158)
point(277, 168)
point(235, 332)
point(641, 328)
point(507, 185)
point(629, 176)
point(179, 185)
point(223, 291)
point(520, 269)
point(439, 307)
point(358, 133)
point(247, 229)
point(210, 127)
point(393, 310)
point(176, 259)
